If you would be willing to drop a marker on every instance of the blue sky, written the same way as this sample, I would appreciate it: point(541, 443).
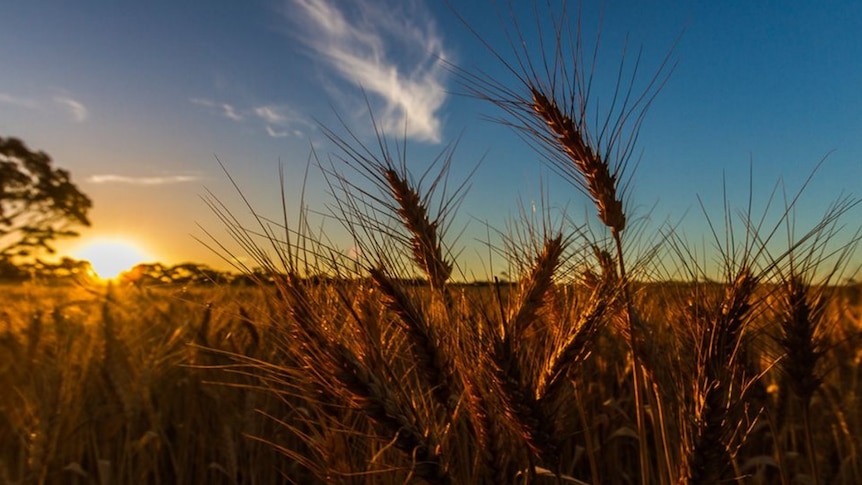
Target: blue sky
point(137, 99)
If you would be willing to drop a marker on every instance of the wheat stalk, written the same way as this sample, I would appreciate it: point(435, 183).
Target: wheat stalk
point(34, 335)
point(599, 181)
point(495, 451)
point(719, 380)
point(425, 244)
point(339, 369)
point(434, 361)
point(377, 400)
point(525, 413)
point(535, 286)
point(518, 394)
point(801, 340)
point(575, 347)
point(116, 366)
point(800, 337)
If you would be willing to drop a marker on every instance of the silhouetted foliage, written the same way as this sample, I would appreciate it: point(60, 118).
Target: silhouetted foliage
point(185, 273)
point(38, 202)
point(44, 271)
point(11, 272)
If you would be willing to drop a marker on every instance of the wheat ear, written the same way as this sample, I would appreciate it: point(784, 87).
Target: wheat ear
point(600, 183)
point(719, 372)
point(378, 402)
point(517, 388)
point(424, 241)
point(803, 348)
point(435, 363)
point(340, 371)
point(575, 347)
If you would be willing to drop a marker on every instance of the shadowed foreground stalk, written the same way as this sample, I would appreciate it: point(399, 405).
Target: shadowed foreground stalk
point(800, 339)
point(720, 377)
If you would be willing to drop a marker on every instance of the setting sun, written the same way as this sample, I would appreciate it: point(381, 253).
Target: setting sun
point(110, 257)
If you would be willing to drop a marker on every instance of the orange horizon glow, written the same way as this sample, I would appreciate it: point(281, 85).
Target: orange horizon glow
point(109, 257)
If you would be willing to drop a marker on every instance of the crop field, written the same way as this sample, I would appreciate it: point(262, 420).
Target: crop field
point(611, 352)
point(375, 381)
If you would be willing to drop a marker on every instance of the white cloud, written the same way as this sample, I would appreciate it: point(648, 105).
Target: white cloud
point(17, 101)
point(203, 102)
point(281, 121)
point(269, 113)
point(76, 109)
point(275, 133)
point(225, 109)
point(124, 179)
point(278, 121)
point(361, 50)
point(230, 112)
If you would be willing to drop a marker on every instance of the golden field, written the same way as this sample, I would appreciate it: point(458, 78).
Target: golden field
point(617, 354)
point(316, 383)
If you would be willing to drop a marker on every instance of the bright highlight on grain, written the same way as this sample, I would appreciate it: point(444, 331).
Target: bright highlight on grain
point(111, 257)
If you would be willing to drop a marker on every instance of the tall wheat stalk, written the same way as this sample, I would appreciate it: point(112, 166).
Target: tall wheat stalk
point(801, 340)
point(720, 377)
point(801, 312)
point(550, 104)
point(523, 407)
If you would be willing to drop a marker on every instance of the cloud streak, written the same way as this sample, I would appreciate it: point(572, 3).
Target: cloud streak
point(75, 108)
point(281, 121)
point(269, 113)
point(225, 109)
point(17, 101)
point(278, 121)
point(382, 50)
point(125, 179)
point(275, 133)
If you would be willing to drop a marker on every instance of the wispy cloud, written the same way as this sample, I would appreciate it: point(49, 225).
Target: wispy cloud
point(203, 102)
point(281, 121)
point(275, 133)
point(231, 113)
point(360, 45)
point(17, 101)
point(269, 113)
point(75, 108)
point(125, 179)
point(225, 109)
point(277, 120)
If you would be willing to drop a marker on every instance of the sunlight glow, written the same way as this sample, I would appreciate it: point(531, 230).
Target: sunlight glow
point(111, 257)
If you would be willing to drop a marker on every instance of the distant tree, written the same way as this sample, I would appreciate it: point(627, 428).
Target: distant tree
point(147, 274)
point(66, 268)
point(11, 272)
point(195, 273)
point(38, 203)
point(186, 273)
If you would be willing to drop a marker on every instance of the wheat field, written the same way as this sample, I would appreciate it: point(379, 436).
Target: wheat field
point(612, 356)
point(384, 381)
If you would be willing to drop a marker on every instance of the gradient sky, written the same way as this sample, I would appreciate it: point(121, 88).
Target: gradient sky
point(137, 99)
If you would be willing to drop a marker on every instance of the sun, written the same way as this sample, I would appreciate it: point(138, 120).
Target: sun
point(109, 257)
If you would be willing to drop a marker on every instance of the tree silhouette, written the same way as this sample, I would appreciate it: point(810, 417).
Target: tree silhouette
point(38, 203)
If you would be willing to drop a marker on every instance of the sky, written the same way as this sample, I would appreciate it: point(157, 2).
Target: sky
point(140, 101)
